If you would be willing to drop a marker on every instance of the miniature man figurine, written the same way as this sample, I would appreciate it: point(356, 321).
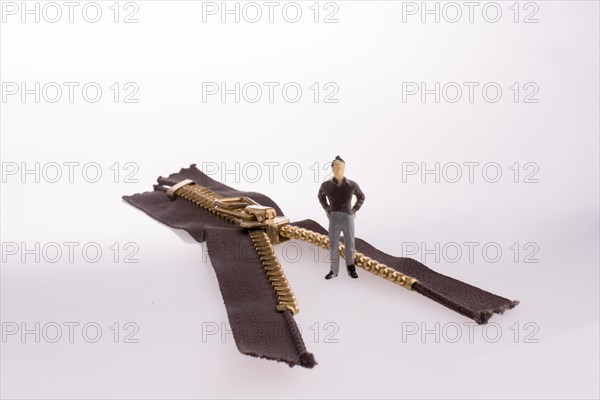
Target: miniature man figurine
point(339, 191)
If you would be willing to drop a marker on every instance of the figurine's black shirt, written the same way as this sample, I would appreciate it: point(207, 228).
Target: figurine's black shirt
point(340, 196)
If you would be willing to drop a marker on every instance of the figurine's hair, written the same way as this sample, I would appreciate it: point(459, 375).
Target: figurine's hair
point(337, 158)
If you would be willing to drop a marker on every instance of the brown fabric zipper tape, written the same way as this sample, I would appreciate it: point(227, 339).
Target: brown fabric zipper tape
point(247, 294)
point(459, 296)
point(258, 328)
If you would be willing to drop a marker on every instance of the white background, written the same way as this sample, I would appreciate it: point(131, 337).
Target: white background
point(547, 346)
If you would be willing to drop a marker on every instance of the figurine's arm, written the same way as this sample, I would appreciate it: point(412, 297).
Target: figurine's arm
point(323, 199)
point(360, 198)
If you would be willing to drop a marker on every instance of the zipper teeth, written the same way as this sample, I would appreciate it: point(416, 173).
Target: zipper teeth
point(204, 198)
point(286, 301)
point(360, 260)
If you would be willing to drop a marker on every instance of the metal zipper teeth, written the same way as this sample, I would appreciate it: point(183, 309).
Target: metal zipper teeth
point(285, 297)
point(205, 198)
point(360, 260)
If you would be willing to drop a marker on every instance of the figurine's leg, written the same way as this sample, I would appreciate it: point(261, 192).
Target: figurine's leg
point(334, 241)
point(348, 231)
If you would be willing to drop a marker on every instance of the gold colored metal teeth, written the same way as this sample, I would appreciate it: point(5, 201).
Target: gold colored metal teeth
point(204, 198)
point(285, 297)
point(360, 260)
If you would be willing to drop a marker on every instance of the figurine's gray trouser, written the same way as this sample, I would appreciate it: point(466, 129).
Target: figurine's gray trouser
point(340, 222)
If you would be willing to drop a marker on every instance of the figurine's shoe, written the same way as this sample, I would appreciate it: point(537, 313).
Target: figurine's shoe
point(352, 271)
point(330, 275)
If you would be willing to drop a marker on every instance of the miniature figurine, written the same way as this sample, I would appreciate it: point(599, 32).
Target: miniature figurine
point(339, 191)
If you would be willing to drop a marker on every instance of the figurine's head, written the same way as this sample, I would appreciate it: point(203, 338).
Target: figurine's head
point(338, 165)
